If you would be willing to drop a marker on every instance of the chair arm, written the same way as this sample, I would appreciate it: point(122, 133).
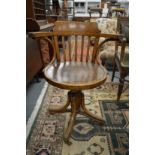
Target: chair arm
point(54, 51)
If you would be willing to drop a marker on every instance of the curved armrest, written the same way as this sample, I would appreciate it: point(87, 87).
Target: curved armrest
point(52, 45)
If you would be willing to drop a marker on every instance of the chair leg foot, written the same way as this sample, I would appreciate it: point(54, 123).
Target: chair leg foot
point(75, 98)
point(67, 141)
point(69, 128)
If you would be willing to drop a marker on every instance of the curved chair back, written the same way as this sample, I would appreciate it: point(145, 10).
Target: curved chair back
point(73, 40)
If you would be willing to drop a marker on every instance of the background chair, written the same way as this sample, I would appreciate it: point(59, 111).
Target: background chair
point(74, 67)
point(122, 63)
point(107, 55)
point(121, 59)
point(107, 51)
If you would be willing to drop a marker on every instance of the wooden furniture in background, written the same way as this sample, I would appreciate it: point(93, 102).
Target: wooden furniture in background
point(72, 69)
point(34, 61)
point(118, 11)
point(35, 9)
point(122, 58)
point(57, 10)
point(34, 56)
point(94, 10)
point(122, 63)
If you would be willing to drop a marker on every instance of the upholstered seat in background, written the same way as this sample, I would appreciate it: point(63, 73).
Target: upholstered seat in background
point(107, 52)
point(109, 26)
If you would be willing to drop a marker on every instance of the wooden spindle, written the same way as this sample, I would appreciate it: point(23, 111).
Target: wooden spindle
point(57, 48)
point(82, 48)
point(69, 46)
point(88, 46)
point(63, 48)
point(95, 49)
point(76, 47)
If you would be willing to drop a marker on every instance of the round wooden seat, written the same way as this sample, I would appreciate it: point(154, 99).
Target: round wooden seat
point(75, 75)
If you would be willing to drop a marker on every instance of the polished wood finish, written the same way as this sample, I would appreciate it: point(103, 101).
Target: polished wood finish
point(66, 72)
point(64, 27)
point(75, 75)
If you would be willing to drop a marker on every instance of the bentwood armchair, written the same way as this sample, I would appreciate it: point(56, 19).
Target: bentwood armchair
point(74, 66)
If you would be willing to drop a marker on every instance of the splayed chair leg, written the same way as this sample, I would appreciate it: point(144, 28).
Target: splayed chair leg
point(75, 98)
point(89, 114)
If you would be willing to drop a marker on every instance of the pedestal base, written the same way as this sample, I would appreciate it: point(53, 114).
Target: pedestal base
point(76, 100)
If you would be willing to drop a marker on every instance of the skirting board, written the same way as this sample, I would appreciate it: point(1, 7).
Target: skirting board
point(35, 110)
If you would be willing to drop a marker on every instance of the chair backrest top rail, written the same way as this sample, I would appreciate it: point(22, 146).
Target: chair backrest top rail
point(48, 34)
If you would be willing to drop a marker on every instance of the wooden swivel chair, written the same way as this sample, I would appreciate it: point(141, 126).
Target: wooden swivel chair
point(72, 69)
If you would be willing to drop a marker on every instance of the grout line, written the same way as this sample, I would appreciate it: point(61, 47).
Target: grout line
point(35, 110)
